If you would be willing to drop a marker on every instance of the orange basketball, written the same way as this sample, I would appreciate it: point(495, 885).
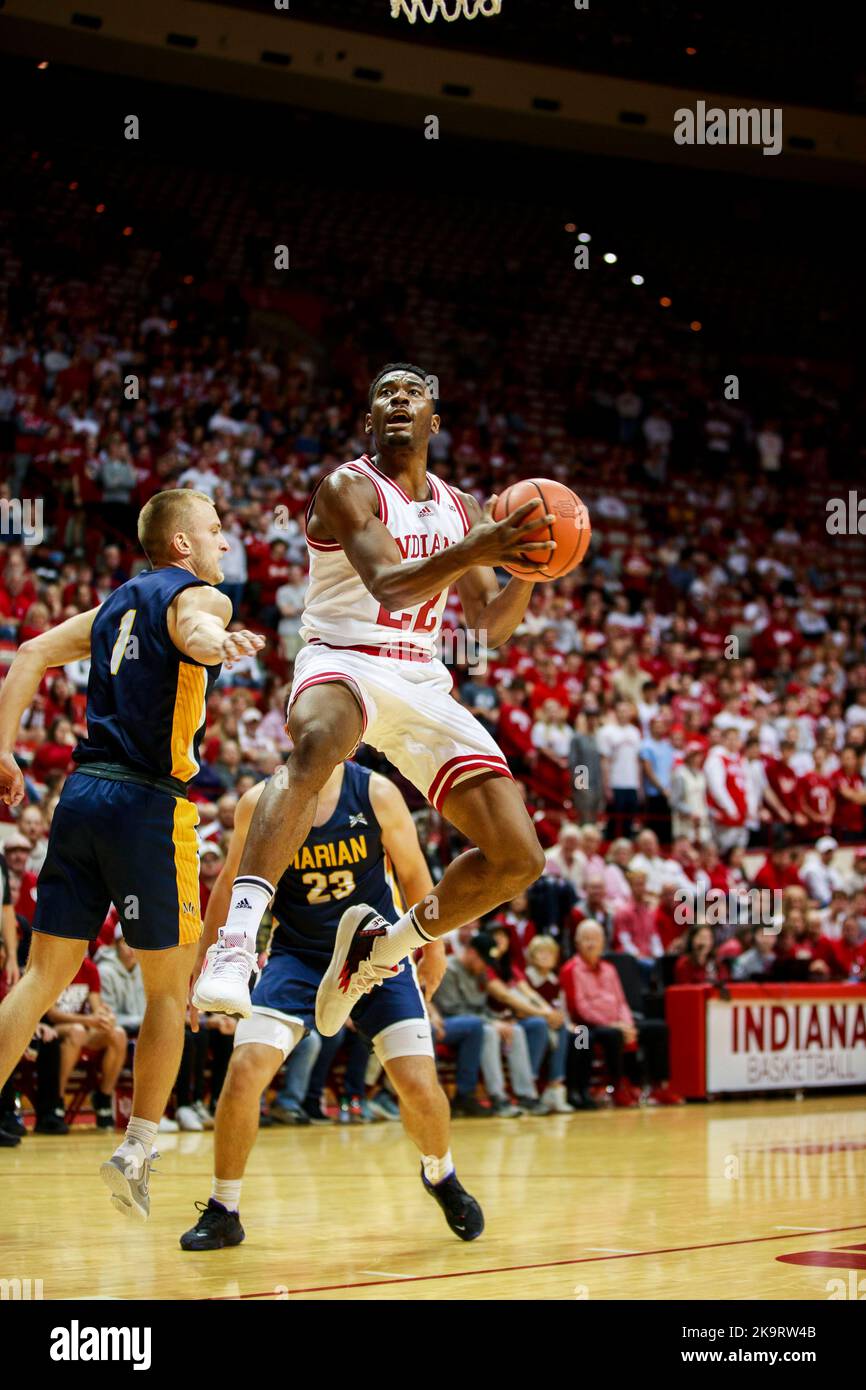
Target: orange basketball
point(569, 534)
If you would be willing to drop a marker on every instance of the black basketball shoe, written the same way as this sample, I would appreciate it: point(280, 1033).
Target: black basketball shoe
point(215, 1228)
point(462, 1212)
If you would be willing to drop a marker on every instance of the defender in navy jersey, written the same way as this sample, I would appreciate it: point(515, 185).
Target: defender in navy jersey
point(361, 842)
point(124, 828)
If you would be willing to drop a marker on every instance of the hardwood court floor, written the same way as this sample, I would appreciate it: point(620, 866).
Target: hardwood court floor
point(698, 1202)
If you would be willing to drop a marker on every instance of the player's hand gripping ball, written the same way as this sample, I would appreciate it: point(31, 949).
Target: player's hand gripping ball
point(569, 533)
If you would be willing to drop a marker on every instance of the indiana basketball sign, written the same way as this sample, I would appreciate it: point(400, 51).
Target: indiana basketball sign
point(785, 1044)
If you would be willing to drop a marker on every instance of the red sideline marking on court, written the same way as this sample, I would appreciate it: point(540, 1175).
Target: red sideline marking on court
point(508, 1269)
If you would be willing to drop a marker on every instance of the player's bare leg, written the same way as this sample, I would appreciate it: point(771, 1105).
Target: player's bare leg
point(236, 1123)
point(424, 1108)
point(489, 810)
point(53, 963)
point(160, 1039)
point(426, 1118)
point(507, 858)
point(236, 1127)
point(325, 724)
point(157, 1058)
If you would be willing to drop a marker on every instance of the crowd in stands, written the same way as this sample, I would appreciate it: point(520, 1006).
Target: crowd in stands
point(686, 713)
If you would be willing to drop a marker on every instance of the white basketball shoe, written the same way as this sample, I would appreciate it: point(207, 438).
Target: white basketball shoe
point(223, 987)
point(127, 1176)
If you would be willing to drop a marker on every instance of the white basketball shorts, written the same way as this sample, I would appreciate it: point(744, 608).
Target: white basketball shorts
point(409, 715)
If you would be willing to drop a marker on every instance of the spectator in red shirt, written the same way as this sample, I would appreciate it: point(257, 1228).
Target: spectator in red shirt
point(716, 871)
point(668, 919)
point(634, 925)
point(817, 799)
point(742, 940)
point(548, 686)
point(698, 965)
point(782, 792)
point(777, 872)
point(596, 1001)
point(210, 863)
point(514, 728)
point(849, 952)
point(88, 1029)
point(516, 921)
point(821, 948)
point(16, 596)
point(55, 754)
point(16, 848)
point(850, 794)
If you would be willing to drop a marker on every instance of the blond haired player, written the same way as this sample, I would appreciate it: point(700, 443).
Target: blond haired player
point(124, 827)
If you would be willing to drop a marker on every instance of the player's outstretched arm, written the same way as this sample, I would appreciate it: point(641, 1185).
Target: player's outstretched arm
point(346, 511)
point(197, 622)
point(69, 641)
point(401, 844)
point(488, 609)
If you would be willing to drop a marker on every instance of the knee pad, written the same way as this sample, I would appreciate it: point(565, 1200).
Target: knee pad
point(411, 1037)
point(271, 1029)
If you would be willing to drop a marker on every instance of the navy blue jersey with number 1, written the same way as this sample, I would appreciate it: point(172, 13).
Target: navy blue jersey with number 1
point(124, 830)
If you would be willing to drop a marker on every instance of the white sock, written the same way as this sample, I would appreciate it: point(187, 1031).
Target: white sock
point(402, 938)
point(249, 901)
point(227, 1193)
point(141, 1132)
point(437, 1169)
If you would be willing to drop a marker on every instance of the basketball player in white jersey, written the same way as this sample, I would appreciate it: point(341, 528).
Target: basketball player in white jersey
point(386, 540)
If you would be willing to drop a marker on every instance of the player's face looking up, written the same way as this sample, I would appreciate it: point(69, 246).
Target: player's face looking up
point(402, 412)
point(202, 543)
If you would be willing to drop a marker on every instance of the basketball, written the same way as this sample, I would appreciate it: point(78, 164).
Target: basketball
point(569, 534)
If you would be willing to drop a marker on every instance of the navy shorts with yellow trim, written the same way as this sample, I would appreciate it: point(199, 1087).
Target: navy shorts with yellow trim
point(123, 843)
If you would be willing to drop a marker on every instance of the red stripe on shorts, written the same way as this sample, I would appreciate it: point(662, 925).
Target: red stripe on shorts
point(455, 767)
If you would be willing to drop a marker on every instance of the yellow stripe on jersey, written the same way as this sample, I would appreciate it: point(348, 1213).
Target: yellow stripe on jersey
point(394, 886)
point(187, 719)
point(185, 843)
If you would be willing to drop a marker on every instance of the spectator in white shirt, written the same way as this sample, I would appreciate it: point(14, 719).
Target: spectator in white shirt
point(690, 813)
point(290, 601)
point(201, 477)
point(856, 713)
point(233, 563)
point(551, 733)
point(617, 889)
point(619, 744)
point(755, 774)
point(820, 878)
point(770, 445)
point(658, 870)
point(567, 859)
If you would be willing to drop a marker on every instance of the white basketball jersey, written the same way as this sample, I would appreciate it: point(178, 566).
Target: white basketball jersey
point(340, 610)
